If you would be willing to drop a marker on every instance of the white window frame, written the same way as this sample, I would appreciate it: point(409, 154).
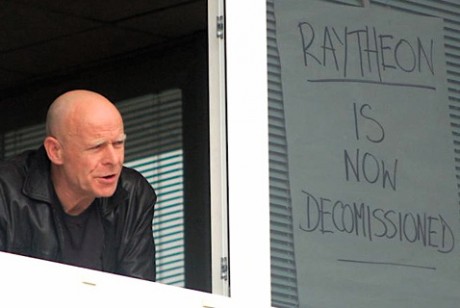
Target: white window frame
point(218, 149)
point(248, 167)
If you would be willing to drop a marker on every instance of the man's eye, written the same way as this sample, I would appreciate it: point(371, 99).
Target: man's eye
point(96, 147)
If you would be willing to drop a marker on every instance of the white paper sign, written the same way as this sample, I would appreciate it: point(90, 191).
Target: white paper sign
point(371, 160)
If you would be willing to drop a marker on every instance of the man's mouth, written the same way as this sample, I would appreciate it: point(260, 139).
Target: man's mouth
point(109, 178)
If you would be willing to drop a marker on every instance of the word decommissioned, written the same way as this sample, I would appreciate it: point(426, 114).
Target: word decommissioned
point(322, 214)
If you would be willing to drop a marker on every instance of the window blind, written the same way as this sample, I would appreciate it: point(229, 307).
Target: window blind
point(283, 267)
point(153, 125)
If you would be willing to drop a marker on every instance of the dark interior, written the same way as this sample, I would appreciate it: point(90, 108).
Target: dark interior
point(121, 49)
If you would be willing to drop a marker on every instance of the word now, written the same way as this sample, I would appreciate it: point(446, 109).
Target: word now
point(366, 167)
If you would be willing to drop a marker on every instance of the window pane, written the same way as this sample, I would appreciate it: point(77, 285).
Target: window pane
point(324, 264)
point(153, 124)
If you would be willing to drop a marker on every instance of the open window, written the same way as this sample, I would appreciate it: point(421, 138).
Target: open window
point(151, 58)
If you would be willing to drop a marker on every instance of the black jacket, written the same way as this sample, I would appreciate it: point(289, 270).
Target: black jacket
point(30, 224)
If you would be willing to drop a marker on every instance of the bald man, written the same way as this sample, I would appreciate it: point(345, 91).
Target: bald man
point(72, 200)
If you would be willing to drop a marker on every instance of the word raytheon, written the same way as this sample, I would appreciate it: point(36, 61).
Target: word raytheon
point(365, 54)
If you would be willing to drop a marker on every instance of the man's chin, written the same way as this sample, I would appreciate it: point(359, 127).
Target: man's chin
point(105, 193)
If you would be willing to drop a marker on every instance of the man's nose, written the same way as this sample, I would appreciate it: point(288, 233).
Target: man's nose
point(111, 155)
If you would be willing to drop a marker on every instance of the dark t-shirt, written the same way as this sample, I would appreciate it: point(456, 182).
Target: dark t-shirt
point(83, 238)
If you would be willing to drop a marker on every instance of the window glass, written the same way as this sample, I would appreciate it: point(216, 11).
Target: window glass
point(153, 125)
point(363, 153)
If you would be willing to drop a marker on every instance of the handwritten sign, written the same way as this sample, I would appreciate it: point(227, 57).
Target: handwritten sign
point(371, 165)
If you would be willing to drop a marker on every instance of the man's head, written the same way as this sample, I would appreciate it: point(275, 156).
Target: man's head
point(85, 143)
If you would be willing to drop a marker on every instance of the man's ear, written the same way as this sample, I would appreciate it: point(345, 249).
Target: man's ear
point(53, 150)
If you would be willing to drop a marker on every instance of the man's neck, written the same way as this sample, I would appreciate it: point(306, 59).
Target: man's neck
point(75, 210)
point(72, 204)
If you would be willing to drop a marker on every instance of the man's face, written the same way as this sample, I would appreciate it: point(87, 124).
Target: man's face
point(93, 156)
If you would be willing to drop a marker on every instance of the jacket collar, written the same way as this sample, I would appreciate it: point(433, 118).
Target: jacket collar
point(38, 185)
